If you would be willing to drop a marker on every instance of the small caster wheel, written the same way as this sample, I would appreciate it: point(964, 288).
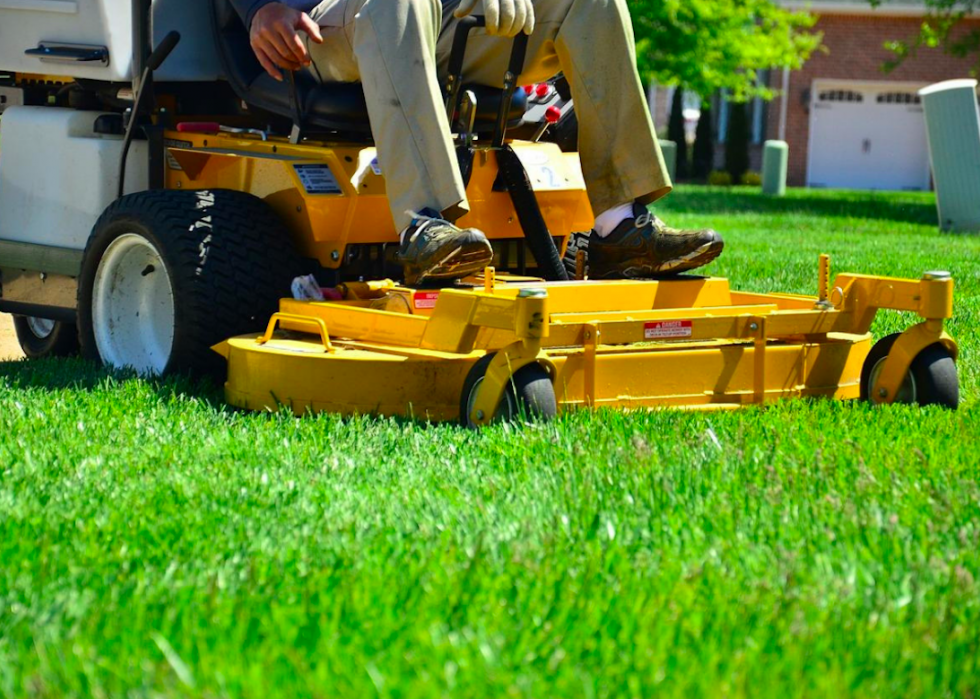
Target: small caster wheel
point(530, 395)
point(932, 377)
point(41, 337)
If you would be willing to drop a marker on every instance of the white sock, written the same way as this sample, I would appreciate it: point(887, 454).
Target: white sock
point(606, 222)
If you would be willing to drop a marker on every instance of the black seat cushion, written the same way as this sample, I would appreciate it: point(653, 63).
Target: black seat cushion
point(330, 106)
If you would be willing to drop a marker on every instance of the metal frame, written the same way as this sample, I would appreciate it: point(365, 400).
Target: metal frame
point(690, 342)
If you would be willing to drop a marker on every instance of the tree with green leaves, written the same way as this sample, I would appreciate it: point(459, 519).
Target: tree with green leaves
point(941, 27)
point(705, 45)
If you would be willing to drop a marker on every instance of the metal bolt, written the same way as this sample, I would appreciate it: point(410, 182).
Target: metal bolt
point(335, 255)
point(883, 392)
point(753, 326)
point(479, 414)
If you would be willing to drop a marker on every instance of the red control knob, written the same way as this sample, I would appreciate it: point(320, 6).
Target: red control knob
point(552, 115)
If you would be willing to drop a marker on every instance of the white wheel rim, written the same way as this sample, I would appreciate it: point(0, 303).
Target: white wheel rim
point(41, 327)
point(907, 392)
point(133, 306)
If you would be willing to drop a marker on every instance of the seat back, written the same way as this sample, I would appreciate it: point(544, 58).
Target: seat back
point(330, 106)
point(338, 106)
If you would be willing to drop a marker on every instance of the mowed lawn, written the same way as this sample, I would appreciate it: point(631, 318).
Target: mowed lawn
point(154, 543)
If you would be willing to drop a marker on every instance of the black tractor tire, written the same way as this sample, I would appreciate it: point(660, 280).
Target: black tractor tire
point(37, 342)
point(228, 259)
point(932, 378)
point(530, 395)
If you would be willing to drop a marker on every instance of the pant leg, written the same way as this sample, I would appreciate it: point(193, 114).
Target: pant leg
point(592, 42)
point(391, 49)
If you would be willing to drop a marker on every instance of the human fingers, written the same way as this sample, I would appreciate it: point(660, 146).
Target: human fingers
point(279, 51)
point(518, 13)
point(294, 43)
point(530, 20)
point(491, 11)
point(465, 8)
point(310, 27)
point(267, 64)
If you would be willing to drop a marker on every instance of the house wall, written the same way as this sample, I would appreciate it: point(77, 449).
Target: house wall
point(854, 51)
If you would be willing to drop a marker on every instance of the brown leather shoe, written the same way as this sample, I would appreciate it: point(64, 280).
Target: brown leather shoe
point(645, 246)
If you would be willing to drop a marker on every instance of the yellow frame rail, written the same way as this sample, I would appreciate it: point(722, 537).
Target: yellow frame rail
point(688, 342)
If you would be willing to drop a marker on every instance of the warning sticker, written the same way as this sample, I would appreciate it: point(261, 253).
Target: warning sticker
point(173, 143)
point(317, 179)
point(667, 329)
point(426, 299)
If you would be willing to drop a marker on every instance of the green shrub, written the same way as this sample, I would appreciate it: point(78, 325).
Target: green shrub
point(752, 179)
point(719, 178)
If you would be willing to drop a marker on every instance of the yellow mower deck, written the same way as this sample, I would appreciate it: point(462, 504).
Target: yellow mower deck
point(688, 342)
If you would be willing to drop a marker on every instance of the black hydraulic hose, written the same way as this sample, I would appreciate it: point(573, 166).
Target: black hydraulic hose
point(529, 215)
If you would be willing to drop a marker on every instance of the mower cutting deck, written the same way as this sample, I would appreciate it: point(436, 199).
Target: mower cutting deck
point(506, 344)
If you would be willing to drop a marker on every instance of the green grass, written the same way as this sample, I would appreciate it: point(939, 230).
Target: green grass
point(154, 543)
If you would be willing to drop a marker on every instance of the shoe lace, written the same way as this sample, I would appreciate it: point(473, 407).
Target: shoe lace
point(420, 221)
point(644, 220)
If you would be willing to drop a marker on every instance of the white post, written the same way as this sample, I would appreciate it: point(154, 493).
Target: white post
point(953, 130)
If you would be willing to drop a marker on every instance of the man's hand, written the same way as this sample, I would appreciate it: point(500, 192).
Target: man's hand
point(276, 41)
point(504, 17)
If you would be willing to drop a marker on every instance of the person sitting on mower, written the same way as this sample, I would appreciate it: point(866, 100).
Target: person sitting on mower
point(398, 49)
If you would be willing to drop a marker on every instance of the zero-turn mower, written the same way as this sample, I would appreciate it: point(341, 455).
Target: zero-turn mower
point(158, 204)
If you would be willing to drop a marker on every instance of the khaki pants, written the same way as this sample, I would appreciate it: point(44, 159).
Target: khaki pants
point(394, 48)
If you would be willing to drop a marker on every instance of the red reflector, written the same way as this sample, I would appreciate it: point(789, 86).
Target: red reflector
point(542, 90)
point(528, 89)
point(552, 115)
point(199, 127)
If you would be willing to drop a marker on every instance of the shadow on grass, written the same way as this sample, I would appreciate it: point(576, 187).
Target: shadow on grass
point(80, 375)
point(905, 207)
point(75, 374)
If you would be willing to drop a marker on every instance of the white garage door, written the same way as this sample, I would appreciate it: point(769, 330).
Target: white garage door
point(867, 137)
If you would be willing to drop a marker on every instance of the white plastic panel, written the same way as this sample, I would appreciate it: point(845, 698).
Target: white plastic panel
point(57, 175)
point(26, 23)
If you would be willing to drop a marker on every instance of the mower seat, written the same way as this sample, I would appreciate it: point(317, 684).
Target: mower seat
point(330, 106)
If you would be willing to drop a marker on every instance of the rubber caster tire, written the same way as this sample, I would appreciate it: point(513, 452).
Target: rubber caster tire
point(42, 337)
point(932, 379)
point(530, 395)
point(167, 274)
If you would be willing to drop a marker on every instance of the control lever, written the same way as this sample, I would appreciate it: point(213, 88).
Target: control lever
point(454, 82)
point(467, 118)
point(154, 61)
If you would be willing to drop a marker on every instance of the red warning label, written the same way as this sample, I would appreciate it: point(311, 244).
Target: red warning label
point(667, 329)
point(426, 299)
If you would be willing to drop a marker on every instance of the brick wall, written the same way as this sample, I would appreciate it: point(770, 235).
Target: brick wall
point(854, 51)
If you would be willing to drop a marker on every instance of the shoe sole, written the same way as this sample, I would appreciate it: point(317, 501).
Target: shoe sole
point(694, 259)
point(459, 262)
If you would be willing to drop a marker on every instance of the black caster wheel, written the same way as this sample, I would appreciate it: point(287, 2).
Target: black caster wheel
point(530, 395)
point(932, 377)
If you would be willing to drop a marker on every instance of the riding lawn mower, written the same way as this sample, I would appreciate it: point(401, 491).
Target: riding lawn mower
point(157, 203)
